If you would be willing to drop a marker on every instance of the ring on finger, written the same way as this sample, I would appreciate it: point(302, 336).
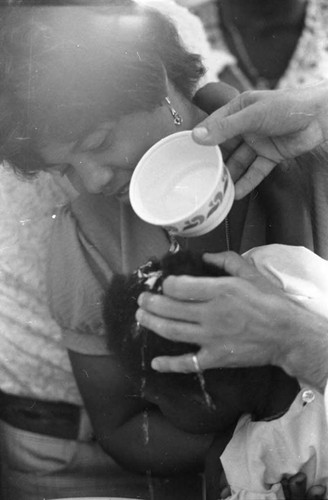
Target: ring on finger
point(195, 363)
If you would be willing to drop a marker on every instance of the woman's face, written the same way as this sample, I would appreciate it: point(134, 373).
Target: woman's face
point(103, 161)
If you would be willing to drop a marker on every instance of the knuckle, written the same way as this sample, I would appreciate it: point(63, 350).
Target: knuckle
point(250, 180)
point(232, 254)
point(170, 285)
point(222, 126)
point(258, 170)
point(165, 329)
point(232, 257)
point(246, 98)
point(173, 364)
point(144, 319)
point(182, 365)
point(203, 315)
point(174, 331)
point(236, 163)
point(144, 299)
point(159, 327)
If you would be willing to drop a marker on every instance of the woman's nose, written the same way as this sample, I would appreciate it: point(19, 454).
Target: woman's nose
point(96, 177)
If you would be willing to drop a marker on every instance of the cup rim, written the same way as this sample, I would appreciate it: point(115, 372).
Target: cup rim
point(212, 222)
point(134, 202)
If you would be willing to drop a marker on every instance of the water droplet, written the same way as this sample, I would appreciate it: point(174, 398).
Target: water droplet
point(145, 426)
point(308, 396)
point(209, 401)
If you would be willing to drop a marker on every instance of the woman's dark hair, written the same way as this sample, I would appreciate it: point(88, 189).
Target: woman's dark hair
point(65, 69)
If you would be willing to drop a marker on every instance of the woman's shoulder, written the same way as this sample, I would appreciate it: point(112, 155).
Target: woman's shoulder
point(76, 276)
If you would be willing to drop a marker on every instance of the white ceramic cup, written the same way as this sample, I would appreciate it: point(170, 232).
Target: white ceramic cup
point(182, 186)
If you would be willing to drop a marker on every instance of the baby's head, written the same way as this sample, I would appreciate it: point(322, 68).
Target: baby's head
point(195, 404)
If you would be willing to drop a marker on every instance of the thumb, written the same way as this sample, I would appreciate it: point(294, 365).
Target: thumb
point(229, 121)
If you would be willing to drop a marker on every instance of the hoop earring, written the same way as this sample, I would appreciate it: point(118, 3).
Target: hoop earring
point(176, 117)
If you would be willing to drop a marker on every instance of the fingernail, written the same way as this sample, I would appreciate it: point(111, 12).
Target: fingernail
point(155, 365)
point(200, 132)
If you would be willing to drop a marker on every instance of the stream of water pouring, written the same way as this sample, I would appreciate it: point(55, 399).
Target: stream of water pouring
point(145, 422)
point(150, 485)
point(208, 400)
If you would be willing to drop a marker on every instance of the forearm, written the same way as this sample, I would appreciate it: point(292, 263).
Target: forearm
point(304, 347)
point(148, 442)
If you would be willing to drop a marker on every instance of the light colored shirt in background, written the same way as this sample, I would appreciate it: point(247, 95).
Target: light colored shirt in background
point(260, 453)
point(309, 62)
point(33, 361)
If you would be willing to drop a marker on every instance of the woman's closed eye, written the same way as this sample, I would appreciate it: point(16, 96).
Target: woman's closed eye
point(100, 140)
point(60, 169)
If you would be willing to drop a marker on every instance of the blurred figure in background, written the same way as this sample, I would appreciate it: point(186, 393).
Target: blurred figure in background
point(271, 44)
point(193, 34)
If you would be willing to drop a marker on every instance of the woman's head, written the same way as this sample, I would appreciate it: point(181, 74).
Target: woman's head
point(67, 71)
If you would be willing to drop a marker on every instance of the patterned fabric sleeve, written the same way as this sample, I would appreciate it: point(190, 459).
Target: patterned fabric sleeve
point(94, 237)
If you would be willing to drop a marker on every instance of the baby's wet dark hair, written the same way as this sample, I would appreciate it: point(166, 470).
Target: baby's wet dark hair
point(233, 391)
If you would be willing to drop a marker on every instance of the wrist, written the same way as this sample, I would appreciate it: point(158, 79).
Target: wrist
point(304, 352)
point(319, 94)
